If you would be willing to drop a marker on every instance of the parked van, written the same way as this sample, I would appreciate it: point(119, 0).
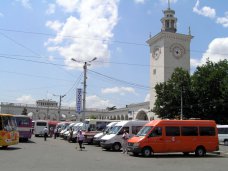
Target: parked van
point(223, 134)
point(98, 136)
point(113, 139)
point(164, 136)
point(39, 126)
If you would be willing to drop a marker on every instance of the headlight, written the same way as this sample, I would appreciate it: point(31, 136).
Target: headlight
point(136, 144)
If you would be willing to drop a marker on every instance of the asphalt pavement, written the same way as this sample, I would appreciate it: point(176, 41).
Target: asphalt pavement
point(60, 155)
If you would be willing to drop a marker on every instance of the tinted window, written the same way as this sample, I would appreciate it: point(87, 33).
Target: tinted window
point(22, 121)
point(135, 129)
point(189, 131)
point(157, 131)
point(172, 131)
point(207, 131)
point(223, 130)
point(122, 130)
point(41, 124)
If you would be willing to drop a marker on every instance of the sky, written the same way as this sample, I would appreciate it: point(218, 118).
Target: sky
point(38, 40)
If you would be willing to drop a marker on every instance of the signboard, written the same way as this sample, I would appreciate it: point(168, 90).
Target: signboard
point(78, 100)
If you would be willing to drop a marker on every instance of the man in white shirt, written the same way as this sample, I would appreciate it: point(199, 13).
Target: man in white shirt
point(45, 133)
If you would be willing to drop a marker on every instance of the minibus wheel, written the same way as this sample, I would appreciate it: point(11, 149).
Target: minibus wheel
point(116, 146)
point(200, 152)
point(226, 142)
point(146, 152)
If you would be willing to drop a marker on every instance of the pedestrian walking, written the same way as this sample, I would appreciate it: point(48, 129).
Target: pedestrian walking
point(55, 133)
point(45, 133)
point(125, 137)
point(80, 138)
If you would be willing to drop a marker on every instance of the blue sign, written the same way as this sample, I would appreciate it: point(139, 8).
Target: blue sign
point(78, 100)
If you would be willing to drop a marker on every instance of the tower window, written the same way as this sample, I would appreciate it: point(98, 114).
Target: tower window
point(154, 71)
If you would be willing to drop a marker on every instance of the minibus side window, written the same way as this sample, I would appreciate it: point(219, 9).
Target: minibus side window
point(121, 131)
point(207, 131)
point(157, 132)
point(172, 131)
point(189, 131)
point(136, 129)
point(223, 130)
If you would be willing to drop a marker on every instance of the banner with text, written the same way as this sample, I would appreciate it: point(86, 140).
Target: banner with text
point(78, 100)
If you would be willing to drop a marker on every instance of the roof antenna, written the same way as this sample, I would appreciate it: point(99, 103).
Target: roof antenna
point(168, 4)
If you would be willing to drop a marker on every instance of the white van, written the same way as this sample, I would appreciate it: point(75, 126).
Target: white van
point(39, 126)
point(98, 136)
point(223, 134)
point(113, 139)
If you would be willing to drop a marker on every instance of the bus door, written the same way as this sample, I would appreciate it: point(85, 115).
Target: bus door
point(155, 140)
point(172, 138)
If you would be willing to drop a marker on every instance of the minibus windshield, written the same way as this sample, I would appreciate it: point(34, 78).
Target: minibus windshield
point(115, 129)
point(144, 131)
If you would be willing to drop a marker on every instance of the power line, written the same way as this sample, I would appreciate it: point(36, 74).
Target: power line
point(121, 81)
point(70, 36)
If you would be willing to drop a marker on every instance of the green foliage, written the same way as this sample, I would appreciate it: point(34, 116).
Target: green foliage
point(24, 112)
point(205, 93)
point(92, 117)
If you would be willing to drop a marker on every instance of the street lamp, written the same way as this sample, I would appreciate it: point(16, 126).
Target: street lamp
point(86, 63)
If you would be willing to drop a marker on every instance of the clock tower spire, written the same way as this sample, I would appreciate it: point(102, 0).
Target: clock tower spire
point(169, 20)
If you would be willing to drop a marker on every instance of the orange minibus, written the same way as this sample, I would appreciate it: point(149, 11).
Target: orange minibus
point(8, 130)
point(168, 136)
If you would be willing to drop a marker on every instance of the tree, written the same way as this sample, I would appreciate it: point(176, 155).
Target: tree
point(24, 112)
point(168, 102)
point(210, 86)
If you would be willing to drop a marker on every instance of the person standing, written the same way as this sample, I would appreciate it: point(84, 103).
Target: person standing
point(55, 132)
point(45, 133)
point(125, 137)
point(80, 138)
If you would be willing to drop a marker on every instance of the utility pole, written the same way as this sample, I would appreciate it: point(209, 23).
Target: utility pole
point(84, 84)
point(84, 91)
point(60, 101)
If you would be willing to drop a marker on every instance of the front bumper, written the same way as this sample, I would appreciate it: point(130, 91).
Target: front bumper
point(106, 146)
point(133, 149)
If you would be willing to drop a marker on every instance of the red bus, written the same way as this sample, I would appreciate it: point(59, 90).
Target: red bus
point(24, 126)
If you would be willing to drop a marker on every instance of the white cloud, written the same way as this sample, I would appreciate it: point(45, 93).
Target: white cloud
point(139, 1)
point(147, 98)
point(54, 25)
point(51, 9)
point(194, 63)
point(204, 11)
point(97, 102)
point(25, 3)
point(217, 50)
point(51, 58)
point(27, 99)
point(223, 20)
point(69, 5)
point(118, 90)
point(85, 36)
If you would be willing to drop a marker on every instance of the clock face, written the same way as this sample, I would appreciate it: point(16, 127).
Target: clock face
point(156, 53)
point(177, 50)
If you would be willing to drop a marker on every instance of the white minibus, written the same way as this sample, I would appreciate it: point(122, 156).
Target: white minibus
point(98, 136)
point(39, 126)
point(223, 134)
point(113, 139)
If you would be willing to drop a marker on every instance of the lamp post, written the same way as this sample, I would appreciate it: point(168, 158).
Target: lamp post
point(86, 63)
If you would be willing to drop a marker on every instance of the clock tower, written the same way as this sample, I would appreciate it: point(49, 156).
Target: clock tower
point(168, 50)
